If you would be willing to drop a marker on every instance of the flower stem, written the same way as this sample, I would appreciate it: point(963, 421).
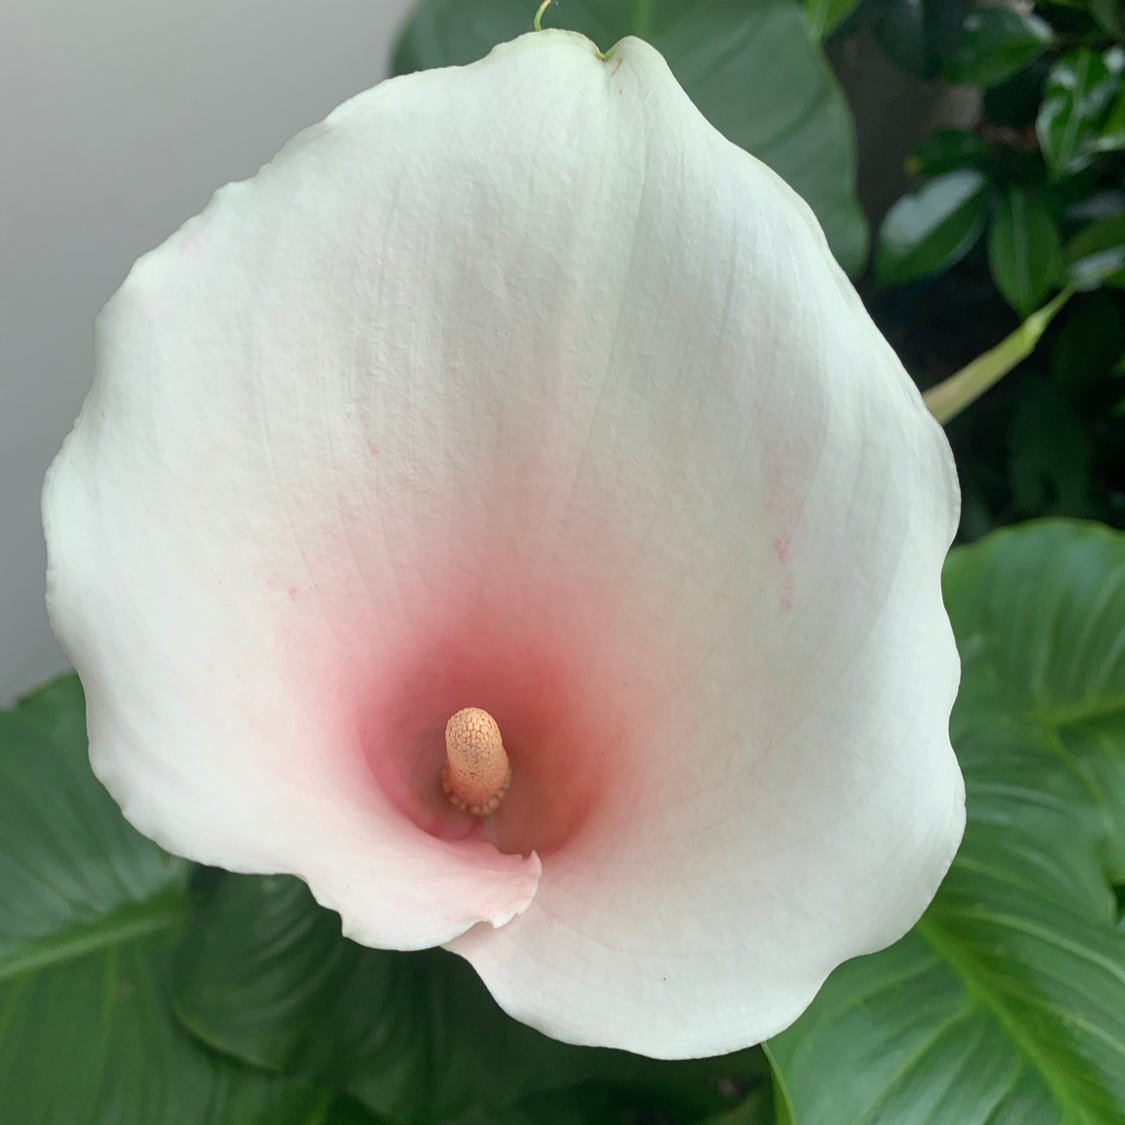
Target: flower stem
point(537, 23)
point(963, 388)
point(642, 17)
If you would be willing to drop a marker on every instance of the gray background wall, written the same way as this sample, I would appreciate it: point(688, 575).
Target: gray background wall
point(119, 119)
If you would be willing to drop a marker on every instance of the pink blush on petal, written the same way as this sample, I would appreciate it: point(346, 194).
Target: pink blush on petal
point(539, 678)
point(554, 644)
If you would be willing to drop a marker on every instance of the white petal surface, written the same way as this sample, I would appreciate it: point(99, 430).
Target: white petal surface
point(516, 386)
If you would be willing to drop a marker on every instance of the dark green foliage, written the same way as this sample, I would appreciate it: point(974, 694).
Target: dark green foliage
point(994, 44)
point(932, 229)
point(1080, 88)
point(1046, 158)
point(1024, 250)
point(921, 36)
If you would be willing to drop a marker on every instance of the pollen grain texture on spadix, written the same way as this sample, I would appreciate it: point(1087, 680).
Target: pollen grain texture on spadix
point(477, 773)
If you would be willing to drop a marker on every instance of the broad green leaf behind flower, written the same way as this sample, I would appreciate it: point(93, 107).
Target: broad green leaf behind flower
point(1006, 1004)
point(264, 975)
point(90, 912)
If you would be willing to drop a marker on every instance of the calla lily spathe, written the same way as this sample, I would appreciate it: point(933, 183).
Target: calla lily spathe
point(517, 387)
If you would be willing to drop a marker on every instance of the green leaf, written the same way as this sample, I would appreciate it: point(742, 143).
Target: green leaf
point(1111, 15)
point(752, 70)
point(1104, 203)
point(1007, 1001)
point(598, 1104)
point(265, 975)
point(1079, 89)
point(1096, 256)
point(1111, 138)
point(931, 229)
point(89, 913)
point(1024, 250)
point(920, 36)
point(946, 151)
point(824, 16)
point(995, 43)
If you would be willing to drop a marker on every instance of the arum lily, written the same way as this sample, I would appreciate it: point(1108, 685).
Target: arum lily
point(502, 513)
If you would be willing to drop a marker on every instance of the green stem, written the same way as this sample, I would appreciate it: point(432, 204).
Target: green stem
point(537, 22)
point(960, 390)
point(642, 17)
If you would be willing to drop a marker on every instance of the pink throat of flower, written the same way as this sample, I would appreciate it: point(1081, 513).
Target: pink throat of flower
point(546, 683)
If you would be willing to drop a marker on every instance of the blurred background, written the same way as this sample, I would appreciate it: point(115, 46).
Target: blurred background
point(126, 115)
point(964, 158)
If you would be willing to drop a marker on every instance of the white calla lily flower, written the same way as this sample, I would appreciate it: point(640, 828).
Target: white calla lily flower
point(516, 387)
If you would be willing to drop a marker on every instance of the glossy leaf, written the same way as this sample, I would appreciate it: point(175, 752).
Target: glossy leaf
point(265, 975)
point(89, 913)
point(1102, 204)
point(1079, 90)
point(752, 69)
point(1096, 256)
point(995, 43)
point(946, 151)
point(1024, 250)
point(928, 231)
point(921, 36)
point(1007, 1001)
